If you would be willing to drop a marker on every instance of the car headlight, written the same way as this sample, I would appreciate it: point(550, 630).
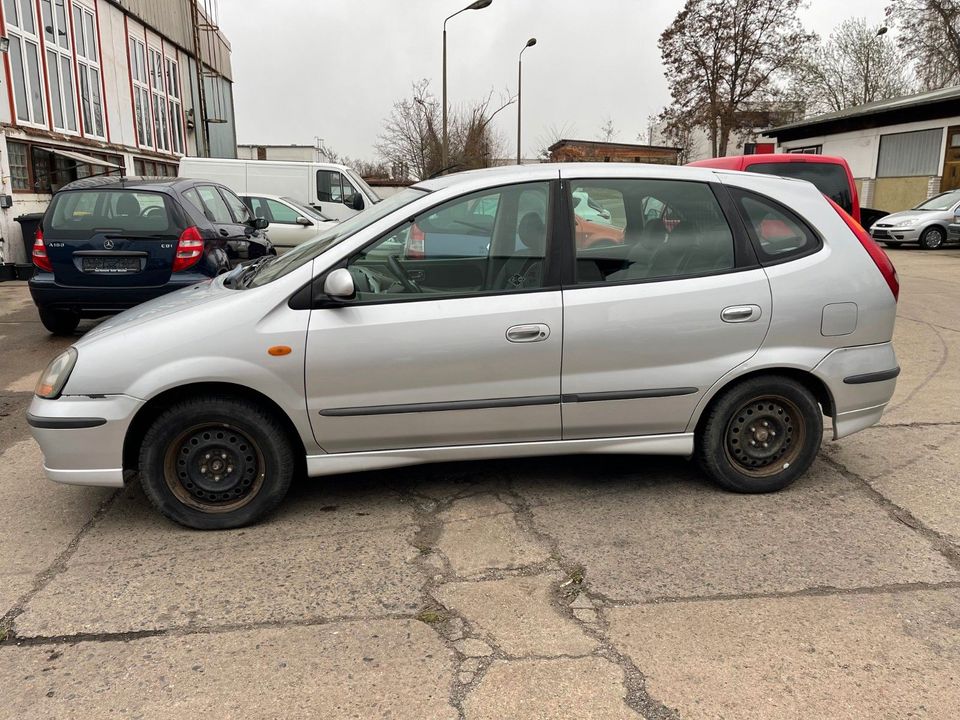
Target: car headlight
point(907, 223)
point(55, 376)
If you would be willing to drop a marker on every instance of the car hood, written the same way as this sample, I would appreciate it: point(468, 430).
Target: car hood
point(919, 215)
point(187, 299)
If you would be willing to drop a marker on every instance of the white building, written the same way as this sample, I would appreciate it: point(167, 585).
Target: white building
point(901, 151)
point(106, 86)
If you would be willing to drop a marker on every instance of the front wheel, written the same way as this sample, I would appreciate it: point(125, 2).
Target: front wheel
point(761, 435)
point(932, 238)
point(216, 463)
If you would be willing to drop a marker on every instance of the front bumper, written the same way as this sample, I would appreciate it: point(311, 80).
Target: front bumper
point(861, 381)
point(82, 437)
point(895, 234)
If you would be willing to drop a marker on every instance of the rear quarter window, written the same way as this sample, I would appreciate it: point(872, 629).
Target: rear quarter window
point(84, 212)
point(778, 233)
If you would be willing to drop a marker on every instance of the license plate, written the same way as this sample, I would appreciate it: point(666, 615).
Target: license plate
point(111, 265)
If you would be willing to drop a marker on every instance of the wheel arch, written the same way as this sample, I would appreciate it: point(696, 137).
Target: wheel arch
point(811, 382)
point(152, 409)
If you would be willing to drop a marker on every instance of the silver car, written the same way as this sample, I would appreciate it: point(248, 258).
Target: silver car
point(464, 319)
point(926, 224)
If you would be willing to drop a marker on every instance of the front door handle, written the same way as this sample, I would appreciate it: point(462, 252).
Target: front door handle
point(536, 332)
point(741, 313)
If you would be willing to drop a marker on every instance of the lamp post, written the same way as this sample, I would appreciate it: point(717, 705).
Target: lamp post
point(530, 43)
point(882, 30)
point(445, 150)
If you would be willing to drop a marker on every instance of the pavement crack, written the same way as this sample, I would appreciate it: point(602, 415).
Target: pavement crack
point(55, 568)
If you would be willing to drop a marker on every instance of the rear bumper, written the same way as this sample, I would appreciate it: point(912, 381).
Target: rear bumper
point(861, 381)
point(82, 437)
point(95, 301)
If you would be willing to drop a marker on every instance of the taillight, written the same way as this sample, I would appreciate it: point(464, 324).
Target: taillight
point(189, 249)
point(876, 253)
point(40, 257)
point(415, 240)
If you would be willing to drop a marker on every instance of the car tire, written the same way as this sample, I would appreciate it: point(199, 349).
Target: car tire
point(893, 245)
point(216, 463)
point(59, 322)
point(932, 238)
point(784, 426)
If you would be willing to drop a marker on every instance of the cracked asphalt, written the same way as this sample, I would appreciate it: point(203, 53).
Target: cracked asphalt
point(583, 587)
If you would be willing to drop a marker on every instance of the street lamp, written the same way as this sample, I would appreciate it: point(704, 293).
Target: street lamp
point(477, 5)
point(530, 43)
point(882, 30)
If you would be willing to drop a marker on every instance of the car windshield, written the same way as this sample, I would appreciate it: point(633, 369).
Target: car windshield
point(943, 201)
point(308, 211)
point(357, 180)
point(306, 252)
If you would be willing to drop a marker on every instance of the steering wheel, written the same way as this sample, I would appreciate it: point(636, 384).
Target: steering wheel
point(402, 275)
point(150, 211)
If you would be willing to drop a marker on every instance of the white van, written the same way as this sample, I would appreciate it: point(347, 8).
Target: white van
point(335, 190)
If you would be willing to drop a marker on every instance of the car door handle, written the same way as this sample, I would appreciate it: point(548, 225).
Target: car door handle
point(537, 332)
point(224, 232)
point(741, 313)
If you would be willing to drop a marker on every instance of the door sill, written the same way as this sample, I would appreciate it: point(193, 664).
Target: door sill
point(336, 463)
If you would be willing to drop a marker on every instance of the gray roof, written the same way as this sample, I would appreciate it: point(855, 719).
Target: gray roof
point(875, 108)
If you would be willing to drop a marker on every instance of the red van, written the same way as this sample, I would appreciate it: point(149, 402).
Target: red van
point(831, 175)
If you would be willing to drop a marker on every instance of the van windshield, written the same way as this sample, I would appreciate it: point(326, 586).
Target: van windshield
point(829, 178)
point(82, 213)
point(306, 252)
point(369, 191)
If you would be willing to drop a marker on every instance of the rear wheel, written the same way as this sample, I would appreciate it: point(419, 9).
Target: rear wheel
point(59, 322)
point(216, 463)
point(761, 435)
point(932, 238)
point(893, 245)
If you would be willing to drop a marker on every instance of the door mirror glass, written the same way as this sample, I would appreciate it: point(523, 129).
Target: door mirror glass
point(260, 223)
point(357, 203)
point(301, 220)
point(339, 285)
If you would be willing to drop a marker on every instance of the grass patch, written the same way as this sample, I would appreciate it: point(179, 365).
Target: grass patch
point(431, 616)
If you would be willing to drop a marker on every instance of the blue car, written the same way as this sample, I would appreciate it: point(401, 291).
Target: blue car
point(107, 244)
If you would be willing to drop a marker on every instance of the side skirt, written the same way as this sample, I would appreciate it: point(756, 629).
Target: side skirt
point(336, 463)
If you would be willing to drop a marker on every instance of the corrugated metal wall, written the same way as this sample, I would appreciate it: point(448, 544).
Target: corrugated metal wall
point(911, 154)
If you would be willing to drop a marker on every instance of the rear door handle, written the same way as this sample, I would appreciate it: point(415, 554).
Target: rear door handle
point(224, 232)
point(741, 313)
point(536, 332)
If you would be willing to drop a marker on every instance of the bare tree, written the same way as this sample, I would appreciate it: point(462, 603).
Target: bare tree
point(722, 55)
point(474, 142)
point(608, 132)
point(929, 32)
point(552, 134)
point(853, 66)
point(681, 132)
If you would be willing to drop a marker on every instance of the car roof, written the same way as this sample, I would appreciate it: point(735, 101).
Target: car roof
point(733, 162)
point(133, 182)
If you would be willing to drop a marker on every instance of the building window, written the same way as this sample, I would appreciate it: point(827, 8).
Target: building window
point(56, 28)
point(39, 169)
point(160, 129)
point(145, 167)
point(20, 17)
point(176, 107)
point(141, 92)
point(808, 150)
point(88, 68)
point(910, 154)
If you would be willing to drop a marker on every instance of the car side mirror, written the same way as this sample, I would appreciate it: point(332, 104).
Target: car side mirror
point(260, 223)
point(339, 285)
point(306, 222)
point(357, 202)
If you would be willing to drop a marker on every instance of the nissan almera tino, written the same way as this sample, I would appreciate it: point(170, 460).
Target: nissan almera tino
point(726, 334)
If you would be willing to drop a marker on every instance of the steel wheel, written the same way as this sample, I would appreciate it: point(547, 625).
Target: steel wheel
point(765, 436)
point(214, 468)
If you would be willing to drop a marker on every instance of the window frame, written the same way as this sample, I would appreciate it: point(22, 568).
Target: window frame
point(174, 100)
point(88, 64)
point(744, 255)
point(553, 256)
point(140, 83)
point(765, 259)
point(23, 37)
point(59, 92)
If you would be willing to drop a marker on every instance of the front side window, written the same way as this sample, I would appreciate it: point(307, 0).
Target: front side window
point(640, 230)
point(208, 201)
point(333, 187)
point(240, 212)
point(778, 234)
point(487, 242)
point(281, 213)
point(28, 91)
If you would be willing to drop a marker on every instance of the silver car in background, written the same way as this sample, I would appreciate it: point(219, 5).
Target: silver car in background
point(927, 224)
point(462, 319)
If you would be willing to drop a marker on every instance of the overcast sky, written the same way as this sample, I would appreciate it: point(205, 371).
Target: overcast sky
point(333, 69)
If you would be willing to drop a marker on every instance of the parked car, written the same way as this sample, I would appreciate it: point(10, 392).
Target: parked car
point(830, 174)
point(335, 190)
point(926, 224)
point(953, 229)
point(593, 223)
point(106, 244)
point(291, 222)
point(764, 308)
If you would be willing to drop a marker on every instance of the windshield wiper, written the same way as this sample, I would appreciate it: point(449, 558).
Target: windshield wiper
point(250, 271)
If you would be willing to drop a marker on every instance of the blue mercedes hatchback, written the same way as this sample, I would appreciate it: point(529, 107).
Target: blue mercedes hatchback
point(107, 244)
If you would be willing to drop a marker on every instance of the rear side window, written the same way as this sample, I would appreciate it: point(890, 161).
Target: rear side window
point(83, 212)
point(829, 178)
point(777, 232)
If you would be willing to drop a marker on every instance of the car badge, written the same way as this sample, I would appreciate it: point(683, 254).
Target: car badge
point(108, 244)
